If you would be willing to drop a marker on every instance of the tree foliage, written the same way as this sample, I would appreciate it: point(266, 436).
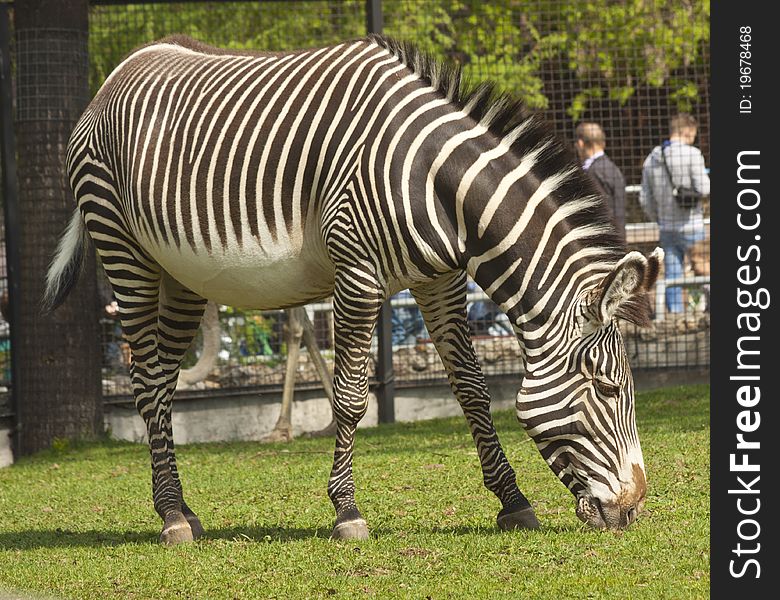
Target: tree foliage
point(610, 47)
point(621, 45)
point(116, 30)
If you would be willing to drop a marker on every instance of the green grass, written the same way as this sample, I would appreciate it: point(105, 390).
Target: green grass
point(78, 522)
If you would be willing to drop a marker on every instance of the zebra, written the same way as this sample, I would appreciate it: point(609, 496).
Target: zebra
point(268, 180)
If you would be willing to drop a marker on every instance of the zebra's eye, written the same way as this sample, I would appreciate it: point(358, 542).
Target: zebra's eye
point(606, 389)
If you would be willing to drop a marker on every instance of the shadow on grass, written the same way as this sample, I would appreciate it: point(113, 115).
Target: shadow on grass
point(63, 538)
point(268, 534)
point(290, 534)
point(495, 531)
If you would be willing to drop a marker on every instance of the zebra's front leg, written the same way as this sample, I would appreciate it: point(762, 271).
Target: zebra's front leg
point(356, 304)
point(443, 306)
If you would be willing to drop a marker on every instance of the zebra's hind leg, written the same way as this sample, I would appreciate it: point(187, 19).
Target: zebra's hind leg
point(136, 285)
point(356, 304)
point(443, 306)
point(145, 296)
point(180, 314)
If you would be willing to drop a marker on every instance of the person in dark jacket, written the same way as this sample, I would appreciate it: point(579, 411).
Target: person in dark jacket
point(590, 145)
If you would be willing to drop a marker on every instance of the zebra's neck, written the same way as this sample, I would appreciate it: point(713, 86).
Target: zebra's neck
point(526, 248)
point(516, 214)
point(502, 197)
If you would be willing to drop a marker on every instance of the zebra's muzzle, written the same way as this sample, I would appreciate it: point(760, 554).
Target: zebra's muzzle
point(603, 515)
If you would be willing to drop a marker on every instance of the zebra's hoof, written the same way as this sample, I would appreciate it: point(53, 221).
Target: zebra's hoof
point(356, 529)
point(195, 526)
point(518, 518)
point(176, 530)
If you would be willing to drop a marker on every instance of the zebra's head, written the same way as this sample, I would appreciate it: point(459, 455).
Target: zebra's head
point(578, 404)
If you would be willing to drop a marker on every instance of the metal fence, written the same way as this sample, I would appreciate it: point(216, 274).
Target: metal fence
point(7, 242)
point(628, 67)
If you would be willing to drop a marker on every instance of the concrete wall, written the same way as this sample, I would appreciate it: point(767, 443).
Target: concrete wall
point(251, 417)
point(6, 456)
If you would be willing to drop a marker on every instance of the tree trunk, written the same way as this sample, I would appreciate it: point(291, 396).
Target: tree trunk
point(59, 383)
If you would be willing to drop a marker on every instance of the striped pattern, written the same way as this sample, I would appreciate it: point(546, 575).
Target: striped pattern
point(269, 180)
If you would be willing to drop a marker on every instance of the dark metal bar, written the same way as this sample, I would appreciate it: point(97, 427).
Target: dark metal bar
point(374, 22)
point(385, 391)
point(11, 210)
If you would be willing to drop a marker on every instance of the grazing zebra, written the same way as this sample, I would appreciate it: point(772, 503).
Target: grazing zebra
point(270, 180)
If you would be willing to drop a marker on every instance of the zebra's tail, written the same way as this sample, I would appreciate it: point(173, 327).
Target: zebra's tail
point(67, 264)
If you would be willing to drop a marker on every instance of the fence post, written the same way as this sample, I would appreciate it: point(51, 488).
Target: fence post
point(374, 22)
point(59, 355)
point(385, 391)
point(11, 212)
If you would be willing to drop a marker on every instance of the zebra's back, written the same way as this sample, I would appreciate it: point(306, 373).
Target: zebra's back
point(223, 164)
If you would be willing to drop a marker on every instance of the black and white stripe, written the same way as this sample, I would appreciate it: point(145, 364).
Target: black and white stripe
point(269, 180)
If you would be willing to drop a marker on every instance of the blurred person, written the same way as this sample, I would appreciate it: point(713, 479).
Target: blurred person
point(675, 165)
point(485, 317)
point(408, 324)
point(114, 356)
point(591, 144)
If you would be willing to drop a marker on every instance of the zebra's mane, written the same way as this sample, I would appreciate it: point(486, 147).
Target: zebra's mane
point(504, 115)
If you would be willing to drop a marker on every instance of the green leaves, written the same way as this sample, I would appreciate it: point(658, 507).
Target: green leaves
point(620, 46)
point(610, 49)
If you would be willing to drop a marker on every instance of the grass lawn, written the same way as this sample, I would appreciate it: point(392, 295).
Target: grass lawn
point(78, 522)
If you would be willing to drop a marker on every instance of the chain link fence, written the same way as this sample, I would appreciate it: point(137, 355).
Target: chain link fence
point(5, 333)
point(6, 401)
point(610, 77)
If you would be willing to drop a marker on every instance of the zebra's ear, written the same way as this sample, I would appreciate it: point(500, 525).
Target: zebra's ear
point(622, 292)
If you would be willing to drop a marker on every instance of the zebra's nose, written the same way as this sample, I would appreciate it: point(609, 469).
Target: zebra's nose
point(634, 498)
point(631, 514)
point(640, 482)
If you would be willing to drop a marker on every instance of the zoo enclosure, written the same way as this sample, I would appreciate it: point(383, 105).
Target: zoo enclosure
point(628, 66)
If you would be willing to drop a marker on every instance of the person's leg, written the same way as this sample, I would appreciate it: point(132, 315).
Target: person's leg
point(674, 254)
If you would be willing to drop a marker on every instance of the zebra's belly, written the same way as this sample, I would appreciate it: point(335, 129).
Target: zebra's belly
point(251, 278)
